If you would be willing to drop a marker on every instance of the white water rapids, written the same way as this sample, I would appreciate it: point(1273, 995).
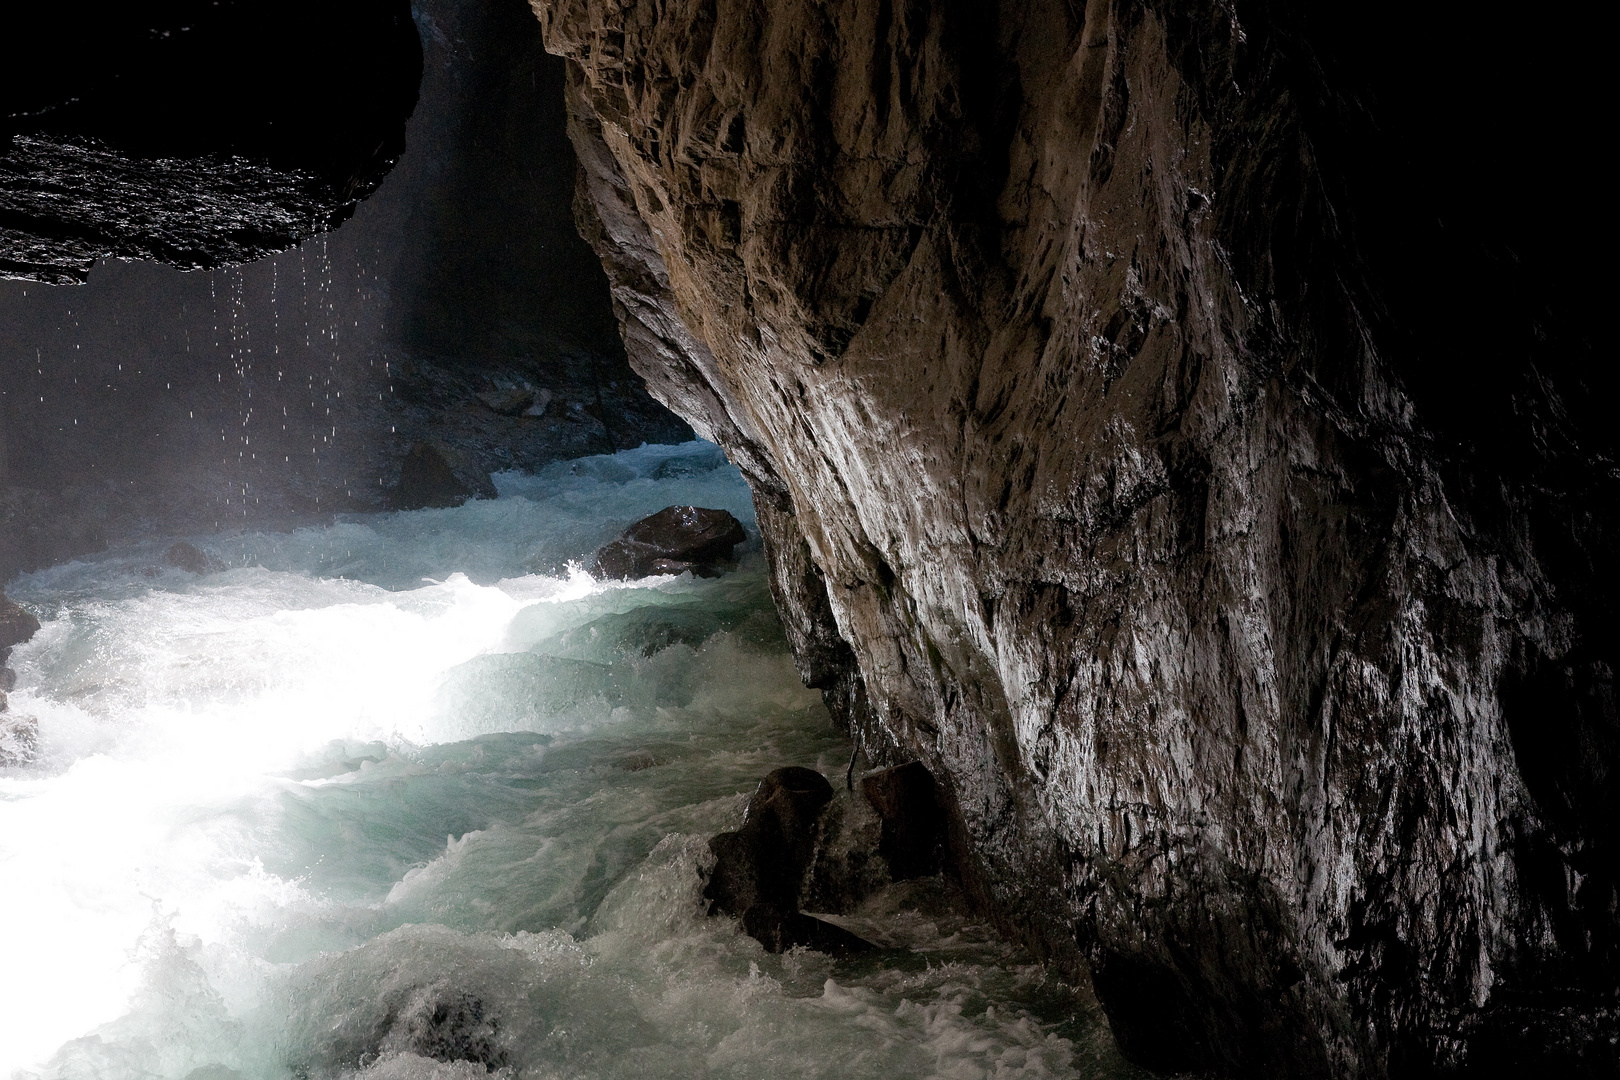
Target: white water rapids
point(407, 797)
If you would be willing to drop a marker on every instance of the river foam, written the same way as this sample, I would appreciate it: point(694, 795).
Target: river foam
point(411, 796)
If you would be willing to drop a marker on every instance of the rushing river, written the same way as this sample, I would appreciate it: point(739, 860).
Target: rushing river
point(413, 797)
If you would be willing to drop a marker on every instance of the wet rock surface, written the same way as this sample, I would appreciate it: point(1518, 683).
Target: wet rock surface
point(765, 860)
point(1097, 370)
point(913, 834)
point(760, 869)
point(672, 541)
point(160, 122)
point(779, 930)
point(804, 845)
point(436, 475)
point(186, 556)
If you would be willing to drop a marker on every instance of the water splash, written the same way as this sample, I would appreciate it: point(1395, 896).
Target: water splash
point(313, 815)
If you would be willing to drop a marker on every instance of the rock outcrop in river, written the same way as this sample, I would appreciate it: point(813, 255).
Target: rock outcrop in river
point(1160, 429)
point(672, 541)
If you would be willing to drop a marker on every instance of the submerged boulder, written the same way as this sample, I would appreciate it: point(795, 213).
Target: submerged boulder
point(446, 1024)
point(434, 474)
point(676, 539)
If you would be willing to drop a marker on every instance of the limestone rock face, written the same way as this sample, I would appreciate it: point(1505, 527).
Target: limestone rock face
point(1151, 436)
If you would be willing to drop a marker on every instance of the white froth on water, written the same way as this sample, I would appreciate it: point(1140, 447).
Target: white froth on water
point(413, 797)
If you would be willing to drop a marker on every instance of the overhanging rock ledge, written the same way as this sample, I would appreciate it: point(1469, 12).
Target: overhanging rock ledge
point(1151, 436)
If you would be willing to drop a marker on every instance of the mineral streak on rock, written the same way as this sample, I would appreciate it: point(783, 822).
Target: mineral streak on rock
point(194, 132)
point(1096, 368)
point(674, 540)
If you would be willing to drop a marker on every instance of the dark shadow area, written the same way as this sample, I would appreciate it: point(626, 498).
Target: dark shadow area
point(198, 132)
point(494, 264)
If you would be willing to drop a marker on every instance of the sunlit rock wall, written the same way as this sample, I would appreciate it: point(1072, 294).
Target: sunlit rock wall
point(1137, 448)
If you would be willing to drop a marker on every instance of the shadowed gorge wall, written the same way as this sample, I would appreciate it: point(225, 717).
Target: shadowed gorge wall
point(503, 178)
point(1181, 428)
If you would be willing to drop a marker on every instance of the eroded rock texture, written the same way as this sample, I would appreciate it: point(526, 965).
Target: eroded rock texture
point(1161, 429)
point(200, 133)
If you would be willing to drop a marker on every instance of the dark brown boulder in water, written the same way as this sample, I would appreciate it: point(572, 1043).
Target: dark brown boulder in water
point(764, 861)
point(759, 868)
point(435, 475)
point(676, 539)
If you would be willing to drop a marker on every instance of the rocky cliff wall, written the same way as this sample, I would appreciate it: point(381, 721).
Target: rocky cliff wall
point(1155, 439)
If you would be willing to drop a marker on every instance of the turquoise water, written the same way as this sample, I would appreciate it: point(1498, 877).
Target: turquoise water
point(414, 797)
